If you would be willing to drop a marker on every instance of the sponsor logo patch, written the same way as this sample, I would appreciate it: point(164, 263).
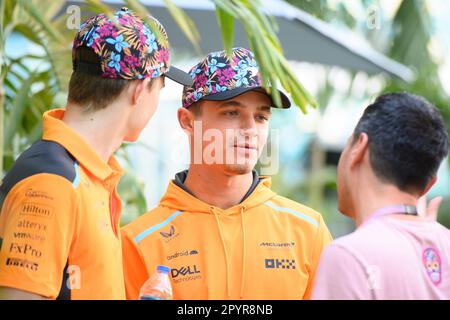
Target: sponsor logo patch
point(432, 263)
point(25, 224)
point(38, 210)
point(184, 253)
point(14, 262)
point(30, 193)
point(24, 249)
point(279, 264)
point(277, 245)
point(28, 236)
point(186, 273)
point(170, 235)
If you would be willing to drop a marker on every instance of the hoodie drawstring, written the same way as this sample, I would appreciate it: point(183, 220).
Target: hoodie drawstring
point(224, 249)
point(244, 253)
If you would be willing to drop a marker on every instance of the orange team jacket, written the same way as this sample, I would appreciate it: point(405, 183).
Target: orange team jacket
point(59, 220)
point(267, 247)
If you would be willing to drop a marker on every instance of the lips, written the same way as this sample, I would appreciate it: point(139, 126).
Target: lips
point(245, 146)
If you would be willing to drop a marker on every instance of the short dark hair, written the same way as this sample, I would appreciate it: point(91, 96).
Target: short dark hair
point(92, 90)
point(196, 108)
point(407, 140)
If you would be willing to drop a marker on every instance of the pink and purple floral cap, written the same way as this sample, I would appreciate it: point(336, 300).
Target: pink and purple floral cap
point(127, 48)
point(221, 76)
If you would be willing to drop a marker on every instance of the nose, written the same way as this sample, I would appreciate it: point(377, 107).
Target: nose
point(248, 127)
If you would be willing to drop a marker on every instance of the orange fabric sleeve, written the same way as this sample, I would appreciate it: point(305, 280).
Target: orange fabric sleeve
point(37, 222)
point(322, 239)
point(135, 272)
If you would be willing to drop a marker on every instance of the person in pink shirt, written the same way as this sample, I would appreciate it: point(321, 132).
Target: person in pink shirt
point(389, 162)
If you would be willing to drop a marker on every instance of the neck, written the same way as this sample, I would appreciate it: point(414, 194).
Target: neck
point(100, 129)
point(371, 198)
point(217, 188)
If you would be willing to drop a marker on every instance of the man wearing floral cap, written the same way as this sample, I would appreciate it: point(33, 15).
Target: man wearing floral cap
point(59, 221)
point(220, 228)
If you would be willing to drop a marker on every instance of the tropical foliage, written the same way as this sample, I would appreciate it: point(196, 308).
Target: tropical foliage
point(404, 37)
point(30, 84)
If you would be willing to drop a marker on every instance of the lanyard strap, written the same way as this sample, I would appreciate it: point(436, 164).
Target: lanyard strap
point(395, 209)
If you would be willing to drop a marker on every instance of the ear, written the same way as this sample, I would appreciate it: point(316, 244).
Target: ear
point(137, 90)
point(429, 185)
point(186, 120)
point(359, 149)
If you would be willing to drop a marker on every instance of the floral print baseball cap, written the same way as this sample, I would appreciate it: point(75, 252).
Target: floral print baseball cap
point(127, 47)
point(221, 76)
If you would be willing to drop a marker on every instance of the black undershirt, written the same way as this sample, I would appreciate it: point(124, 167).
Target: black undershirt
point(180, 178)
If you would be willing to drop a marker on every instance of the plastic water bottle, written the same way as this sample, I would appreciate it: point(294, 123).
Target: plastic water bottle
point(158, 286)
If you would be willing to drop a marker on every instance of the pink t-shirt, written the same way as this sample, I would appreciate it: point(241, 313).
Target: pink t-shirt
point(387, 258)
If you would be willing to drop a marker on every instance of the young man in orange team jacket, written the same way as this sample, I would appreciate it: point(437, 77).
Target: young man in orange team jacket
point(59, 221)
point(220, 228)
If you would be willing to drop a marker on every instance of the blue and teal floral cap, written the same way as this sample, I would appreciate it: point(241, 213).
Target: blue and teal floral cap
point(127, 47)
point(221, 76)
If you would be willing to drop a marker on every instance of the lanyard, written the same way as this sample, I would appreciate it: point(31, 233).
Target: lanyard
point(395, 209)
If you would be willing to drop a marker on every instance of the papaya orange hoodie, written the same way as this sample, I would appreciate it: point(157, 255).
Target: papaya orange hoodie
point(266, 247)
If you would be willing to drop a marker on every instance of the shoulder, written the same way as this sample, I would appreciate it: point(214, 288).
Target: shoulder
point(295, 210)
point(43, 157)
point(368, 244)
point(338, 258)
point(341, 275)
point(340, 251)
point(149, 223)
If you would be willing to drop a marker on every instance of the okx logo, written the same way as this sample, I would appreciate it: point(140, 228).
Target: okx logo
point(280, 264)
point(188, 273)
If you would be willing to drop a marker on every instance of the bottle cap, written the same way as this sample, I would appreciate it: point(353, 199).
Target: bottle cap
point(163, 269)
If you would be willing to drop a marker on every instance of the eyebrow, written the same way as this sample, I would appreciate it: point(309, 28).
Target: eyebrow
point(233, 103)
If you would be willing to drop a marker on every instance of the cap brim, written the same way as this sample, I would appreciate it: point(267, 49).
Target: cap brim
point(225, 95)
point(179, 76)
